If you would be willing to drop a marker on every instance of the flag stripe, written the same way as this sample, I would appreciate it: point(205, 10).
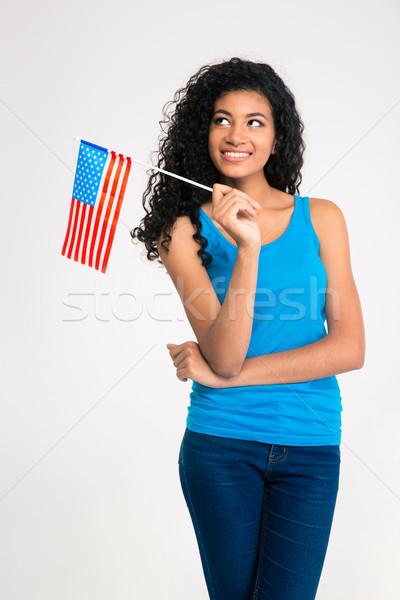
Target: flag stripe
point(116, 215)
point(100, 208)
point(78, 242)
point(89, 222)
point(108, 209)
point(76, 218)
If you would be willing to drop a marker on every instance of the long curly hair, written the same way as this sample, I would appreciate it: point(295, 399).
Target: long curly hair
point(183, 148)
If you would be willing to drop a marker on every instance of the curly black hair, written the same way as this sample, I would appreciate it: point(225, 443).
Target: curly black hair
point(183, 148)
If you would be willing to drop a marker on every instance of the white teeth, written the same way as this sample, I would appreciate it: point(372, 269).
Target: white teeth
point(236, 154)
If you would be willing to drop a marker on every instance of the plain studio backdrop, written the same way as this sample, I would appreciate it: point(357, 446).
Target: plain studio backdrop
point(92, 414)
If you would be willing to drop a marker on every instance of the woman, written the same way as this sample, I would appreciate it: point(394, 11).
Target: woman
point(259, 269)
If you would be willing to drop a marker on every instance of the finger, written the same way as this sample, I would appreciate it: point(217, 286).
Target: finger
point(232, 199)
point(218, 194)
point(180, 360)
point(180, 375)
point(174, 349)
point(235, 207)
point(239, 195)
point(222, 188)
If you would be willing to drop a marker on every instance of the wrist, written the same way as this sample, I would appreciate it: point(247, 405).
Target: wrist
point(249, 250)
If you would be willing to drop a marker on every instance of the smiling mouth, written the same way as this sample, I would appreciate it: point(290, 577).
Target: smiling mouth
point(235, 157)
point(236, 154)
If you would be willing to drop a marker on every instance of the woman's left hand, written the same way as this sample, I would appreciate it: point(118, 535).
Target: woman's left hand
point(191, 364)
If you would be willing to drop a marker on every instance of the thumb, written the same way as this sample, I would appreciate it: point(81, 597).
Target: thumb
point(219, 190)
point(171, 345)
point(222, 187)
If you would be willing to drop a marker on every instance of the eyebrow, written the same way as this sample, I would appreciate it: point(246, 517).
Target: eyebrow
point(225, 112)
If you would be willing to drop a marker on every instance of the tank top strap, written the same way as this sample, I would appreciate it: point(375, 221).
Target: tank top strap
point(303, 224)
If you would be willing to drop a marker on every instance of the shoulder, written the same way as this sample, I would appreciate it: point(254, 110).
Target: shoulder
point(322, 210)
point(327, 218)
point(330, 226)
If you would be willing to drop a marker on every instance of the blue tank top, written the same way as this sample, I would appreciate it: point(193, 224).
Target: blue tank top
point(289, 311)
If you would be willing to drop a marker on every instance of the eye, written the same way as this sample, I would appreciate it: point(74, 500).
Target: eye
point(256, 121)
point(218, 120)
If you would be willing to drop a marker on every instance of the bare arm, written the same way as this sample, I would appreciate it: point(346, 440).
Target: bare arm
point(323, 358)
point(223, 332)
point(226, 341)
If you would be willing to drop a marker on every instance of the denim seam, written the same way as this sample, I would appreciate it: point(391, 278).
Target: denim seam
point(195, 519)
point(261, 550)
point(284, 455)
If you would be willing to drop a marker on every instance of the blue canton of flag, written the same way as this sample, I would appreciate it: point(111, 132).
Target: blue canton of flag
point(88, 173)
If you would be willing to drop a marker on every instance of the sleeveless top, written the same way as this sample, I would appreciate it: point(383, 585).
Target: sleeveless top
point(289, 312)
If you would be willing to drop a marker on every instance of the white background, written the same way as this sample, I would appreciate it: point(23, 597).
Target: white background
point(92, 414)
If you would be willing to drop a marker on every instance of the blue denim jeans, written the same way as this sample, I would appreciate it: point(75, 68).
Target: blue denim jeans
point(262, 514)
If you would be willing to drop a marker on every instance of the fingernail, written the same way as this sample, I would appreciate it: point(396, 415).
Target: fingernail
point(257, 205)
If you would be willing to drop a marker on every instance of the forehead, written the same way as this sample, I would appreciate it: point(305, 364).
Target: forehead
point(242, 101)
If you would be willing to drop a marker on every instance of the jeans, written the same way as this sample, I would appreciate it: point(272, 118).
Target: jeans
point(262, 514)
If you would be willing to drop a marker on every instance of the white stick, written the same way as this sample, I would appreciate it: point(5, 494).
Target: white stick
point(200, 185)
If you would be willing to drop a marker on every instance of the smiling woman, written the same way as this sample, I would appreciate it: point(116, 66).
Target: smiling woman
point(260, 269)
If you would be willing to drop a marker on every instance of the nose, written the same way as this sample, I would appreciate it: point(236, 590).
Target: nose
point(235, 135)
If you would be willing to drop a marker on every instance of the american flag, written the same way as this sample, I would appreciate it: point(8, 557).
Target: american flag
point(99, 187)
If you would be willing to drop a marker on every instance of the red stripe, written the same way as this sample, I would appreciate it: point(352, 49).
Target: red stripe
point(78, 243)
point(87, 232)
point(116, 214)
point(76, 219)
point(100, 207)
point(71, 210)
point(108, 210)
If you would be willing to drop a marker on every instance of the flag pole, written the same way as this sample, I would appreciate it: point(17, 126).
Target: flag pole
point(200, 185)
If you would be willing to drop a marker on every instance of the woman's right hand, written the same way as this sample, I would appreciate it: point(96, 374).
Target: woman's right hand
point(236, 212)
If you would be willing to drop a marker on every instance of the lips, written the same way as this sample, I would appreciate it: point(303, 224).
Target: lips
point(235, 156)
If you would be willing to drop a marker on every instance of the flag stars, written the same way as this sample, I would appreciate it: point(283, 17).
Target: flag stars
point(89, 170)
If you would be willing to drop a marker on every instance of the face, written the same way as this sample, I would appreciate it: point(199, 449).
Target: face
point(241, 136)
